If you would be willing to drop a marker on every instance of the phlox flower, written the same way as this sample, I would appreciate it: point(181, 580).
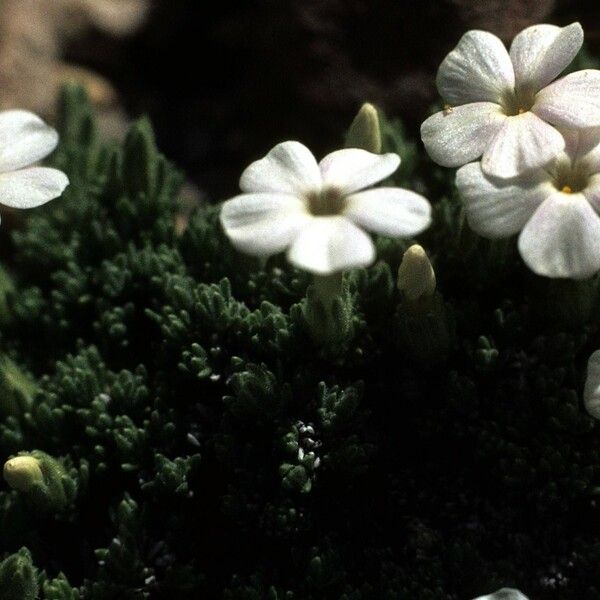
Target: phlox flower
point(555, 208)
point(318, 211)
point(24, 140)
point(504, 106)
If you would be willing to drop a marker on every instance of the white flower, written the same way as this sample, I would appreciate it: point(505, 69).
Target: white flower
point(317, 211)
point(555, 209)
point(591, 390)
point(24, 140)
point(504, 594)
point(502, 105)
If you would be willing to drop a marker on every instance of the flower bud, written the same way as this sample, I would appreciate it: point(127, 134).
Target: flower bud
point(365, 130)
point(23, 472)
point(416, 278)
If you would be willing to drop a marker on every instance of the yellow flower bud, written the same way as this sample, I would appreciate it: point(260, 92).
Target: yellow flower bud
point(416, 278)
point(23, 472)
point(365, 131)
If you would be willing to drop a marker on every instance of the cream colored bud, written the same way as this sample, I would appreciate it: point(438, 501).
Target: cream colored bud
point(416, 277)
point(22, 472)
point(365, 130)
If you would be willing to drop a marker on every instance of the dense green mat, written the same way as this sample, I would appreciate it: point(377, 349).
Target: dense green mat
point(195, 442)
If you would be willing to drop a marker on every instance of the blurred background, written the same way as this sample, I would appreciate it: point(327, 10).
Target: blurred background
point(224, 81)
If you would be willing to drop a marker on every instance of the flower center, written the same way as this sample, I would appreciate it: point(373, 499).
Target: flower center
point(517, 102)
point(570, 178)
point(327, 202)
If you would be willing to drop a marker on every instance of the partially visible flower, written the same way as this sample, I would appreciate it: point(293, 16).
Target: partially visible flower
point(504, 594)
point(555, 209)
point(502, 105)
point(24, 140)
point(591, 390)
point(317, 212)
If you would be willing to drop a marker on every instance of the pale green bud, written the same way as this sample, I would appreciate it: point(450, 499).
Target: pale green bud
point(365, 130)
point(23, 472)
point(416, 277)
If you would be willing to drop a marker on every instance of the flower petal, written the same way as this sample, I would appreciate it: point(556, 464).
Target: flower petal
point(587, 150)
point(331, 244)
point(479, 69)
point(591, 390)
point(389, 211)
point(354, 169)
point(263, 224)
point(561, 239)
point(496, 208)
point(504, 594)
point(541, 53)
point(572, 100)
point(289, 168)
point(592, 191)
point(31, 187)
point(453, 138)
point(524, 142)
point(24, 139)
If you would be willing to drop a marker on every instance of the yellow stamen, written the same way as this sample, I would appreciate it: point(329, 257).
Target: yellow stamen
point(521, 111)
point(566, 189)
point(447, 109)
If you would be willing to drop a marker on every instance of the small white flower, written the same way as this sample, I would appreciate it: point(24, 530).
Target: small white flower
point(555, 209)
point(24, 140)
point(591, 390)
point(504, 594)
point(502, 105)
point(317, 211)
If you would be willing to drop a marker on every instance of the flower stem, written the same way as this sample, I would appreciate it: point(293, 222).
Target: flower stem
point(328, 311)
point(328, 288)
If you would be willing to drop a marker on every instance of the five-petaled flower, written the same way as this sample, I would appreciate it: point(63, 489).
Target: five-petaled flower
point(504, 104)
point(317, 211)
point(555, 208)
point(24, 140)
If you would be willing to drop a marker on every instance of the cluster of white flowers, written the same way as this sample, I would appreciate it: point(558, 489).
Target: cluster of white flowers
point(318, 211)
point(536, 140)
point(528, 148)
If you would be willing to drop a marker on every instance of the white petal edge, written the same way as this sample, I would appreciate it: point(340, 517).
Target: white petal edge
point(353, 169)
point(458, 136)
point(587, 150)
point(28, 188)
point(504, 594)
point(479, 69)
point(561, 238)
point(263, 224)
point(497, 208)
point(394, 212)
point(331, 244)
point(24, 139)
point(591, 390)
point(524, 142)
point(571, 101)
point(288, 168)
point(592, 191)
point(541, 53)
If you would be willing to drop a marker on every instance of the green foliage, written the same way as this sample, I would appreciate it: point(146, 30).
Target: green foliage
point(197, 442)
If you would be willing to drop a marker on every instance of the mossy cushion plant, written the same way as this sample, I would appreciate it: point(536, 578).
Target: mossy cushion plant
point(180, 420)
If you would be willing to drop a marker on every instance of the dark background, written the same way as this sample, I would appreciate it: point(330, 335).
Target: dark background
point(223, 82)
